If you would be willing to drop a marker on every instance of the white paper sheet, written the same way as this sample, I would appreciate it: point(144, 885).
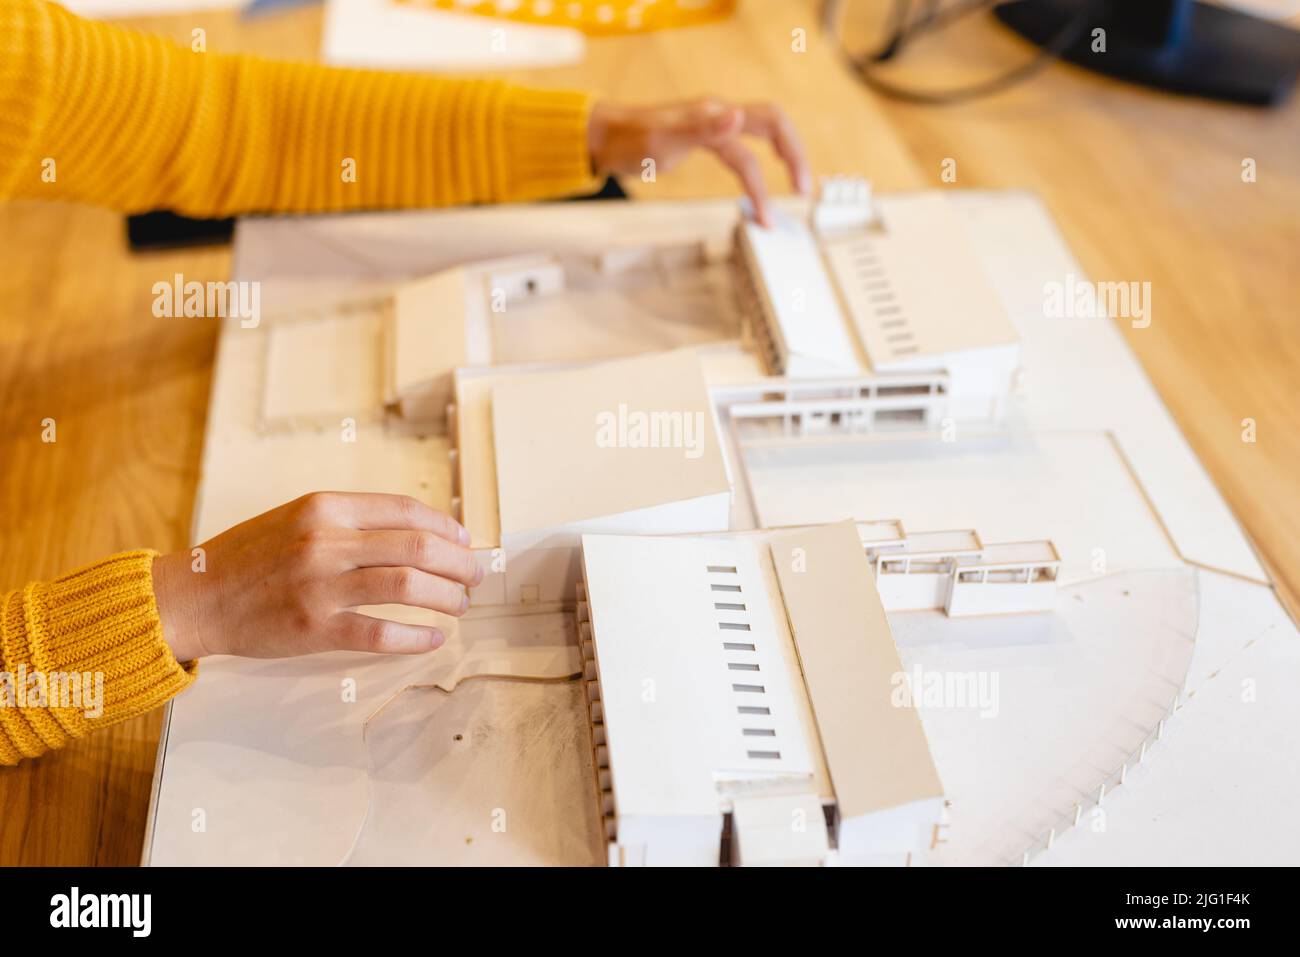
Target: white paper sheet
point(113, 9)
point(382, 34)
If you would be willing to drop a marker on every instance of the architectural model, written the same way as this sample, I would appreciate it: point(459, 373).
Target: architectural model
point(743, 690)
point(737, 493)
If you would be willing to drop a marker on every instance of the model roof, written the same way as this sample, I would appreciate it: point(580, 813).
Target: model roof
point(604, 440)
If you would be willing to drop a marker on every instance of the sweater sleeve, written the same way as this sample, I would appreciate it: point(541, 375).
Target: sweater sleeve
point(82, 652)
point(99, 114)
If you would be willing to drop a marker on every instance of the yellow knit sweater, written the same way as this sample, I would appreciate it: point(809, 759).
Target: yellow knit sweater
point(81, 652)
point(93, 113)
point(98, 114)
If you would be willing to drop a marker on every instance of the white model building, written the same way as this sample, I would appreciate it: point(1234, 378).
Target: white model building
point(741, 688)
point(856, 293)
point(953, 570)
point(749, 679)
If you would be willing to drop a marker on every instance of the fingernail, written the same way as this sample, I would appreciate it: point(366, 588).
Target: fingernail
point(478, 574)
point(464, 604)
point(436, 640)
point(463, 534)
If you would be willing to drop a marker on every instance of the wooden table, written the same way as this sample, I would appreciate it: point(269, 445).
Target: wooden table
point(1144, 187)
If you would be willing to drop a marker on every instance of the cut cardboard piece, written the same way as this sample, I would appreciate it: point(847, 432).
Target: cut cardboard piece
point(606, 440)
point(425, 339)
point(629, 447)
point(886, 787)
point(474, 471)
point(439, 323)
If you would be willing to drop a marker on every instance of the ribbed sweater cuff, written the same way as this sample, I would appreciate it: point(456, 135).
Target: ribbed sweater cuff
point(93, 638)
point(544, 134)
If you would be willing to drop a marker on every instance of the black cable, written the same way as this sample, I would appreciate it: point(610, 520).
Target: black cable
point(904, 32)
point(899, 13)
point(900, 30)
point(938, 17)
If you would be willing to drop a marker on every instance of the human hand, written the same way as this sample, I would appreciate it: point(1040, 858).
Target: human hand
point(620, 138)
point(285, 583)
